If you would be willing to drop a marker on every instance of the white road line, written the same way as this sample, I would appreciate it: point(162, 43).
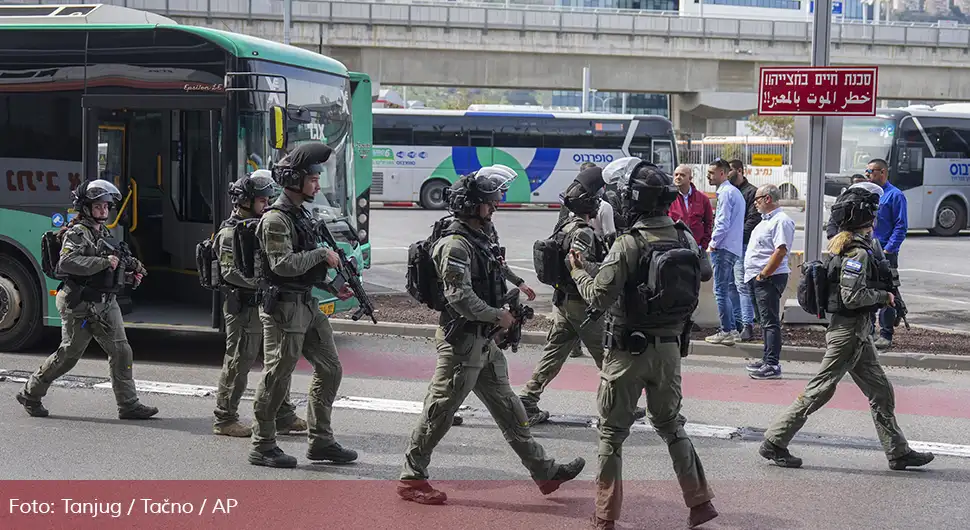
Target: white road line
point(415, 407)
point(389, 248)
point(516, 267)
point(937, 298)
point(924, 271)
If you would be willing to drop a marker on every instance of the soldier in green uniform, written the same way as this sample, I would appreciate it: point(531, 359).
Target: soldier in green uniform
point(244, 332)
point(468, 359)
point(88, 305)
point(650, 283)
point(849, 347)
point(569, 308)
point(291, 261)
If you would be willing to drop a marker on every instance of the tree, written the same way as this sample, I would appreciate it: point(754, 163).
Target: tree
point(777, 126)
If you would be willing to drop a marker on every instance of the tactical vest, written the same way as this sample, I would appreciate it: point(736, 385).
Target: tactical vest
point(305, 240)
point(106, 281)
point(835, 304)
point(488, 281)
point(568, 286)
point(664, 290)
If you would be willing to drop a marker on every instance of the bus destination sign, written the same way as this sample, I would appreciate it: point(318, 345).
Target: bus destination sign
point(818, 91)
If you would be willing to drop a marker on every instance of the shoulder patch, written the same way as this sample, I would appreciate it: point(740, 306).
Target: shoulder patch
point(852, 265)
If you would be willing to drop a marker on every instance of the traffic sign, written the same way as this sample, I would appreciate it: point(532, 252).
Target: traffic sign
point(818, 91)
point(766, 159)
point(57, 220)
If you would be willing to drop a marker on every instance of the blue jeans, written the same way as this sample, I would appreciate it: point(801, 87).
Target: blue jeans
point(743, 312)
point(725, 292)
point(768, 294)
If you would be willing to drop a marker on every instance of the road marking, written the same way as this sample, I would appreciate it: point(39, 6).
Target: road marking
point(516, 267)
point(389, 248)
point(937, 298)
point(935, 272)
point(696, 430)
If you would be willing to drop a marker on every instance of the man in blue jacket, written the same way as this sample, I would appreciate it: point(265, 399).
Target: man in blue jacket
point(890, 230)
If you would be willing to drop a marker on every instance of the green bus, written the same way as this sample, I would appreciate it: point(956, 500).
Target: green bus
point(172, 114)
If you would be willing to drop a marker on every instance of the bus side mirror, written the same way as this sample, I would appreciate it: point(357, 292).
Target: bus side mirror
point(277, 127)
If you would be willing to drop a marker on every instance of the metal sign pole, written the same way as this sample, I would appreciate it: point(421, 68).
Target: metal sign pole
point(814, 203)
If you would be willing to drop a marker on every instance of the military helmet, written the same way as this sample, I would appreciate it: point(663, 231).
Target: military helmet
point(307, 159)
point(258, 184)
point(484, 186)
point(92, 191)
point(583, 196)
point(856, 207)
point(643, 188)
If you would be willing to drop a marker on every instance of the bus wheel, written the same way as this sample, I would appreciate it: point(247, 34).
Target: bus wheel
point(950, 218)
point(20, 311)
point(432, 195)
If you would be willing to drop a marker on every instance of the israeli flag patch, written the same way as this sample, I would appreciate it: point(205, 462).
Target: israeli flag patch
point(852, 265)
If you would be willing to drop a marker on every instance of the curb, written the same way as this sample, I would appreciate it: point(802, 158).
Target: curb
point(929, 361)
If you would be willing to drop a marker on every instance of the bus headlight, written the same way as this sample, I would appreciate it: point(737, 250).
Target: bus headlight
point(362, 218)
point(362, 235)
point(362, 202)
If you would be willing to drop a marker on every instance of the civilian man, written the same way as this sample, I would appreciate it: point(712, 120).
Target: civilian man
point(890, 229)
point(725, 250)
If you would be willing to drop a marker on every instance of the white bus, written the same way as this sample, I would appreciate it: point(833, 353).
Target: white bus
point(928, 152)
point(419, 152)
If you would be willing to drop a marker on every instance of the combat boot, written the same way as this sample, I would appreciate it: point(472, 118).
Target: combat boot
point(297, 425)
point(138, 412)
point(333, 453)
point(33, 406)
point(532, 410)
point(234, 429)
point(421, 492)
point(274, 457)
point(565, 473)
point(781, 457)
point(701, 514)
point(910, 459)
point(882, 343)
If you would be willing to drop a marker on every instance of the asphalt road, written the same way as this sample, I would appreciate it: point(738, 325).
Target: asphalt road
point(845, 482)
point(936, 280)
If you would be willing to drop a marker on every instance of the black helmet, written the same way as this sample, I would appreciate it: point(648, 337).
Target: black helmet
point(486, 185)
point(92, 191)
point(307, 159)
point(582, 197)
point(258, 184)
point(643, 187)
point(856, 207)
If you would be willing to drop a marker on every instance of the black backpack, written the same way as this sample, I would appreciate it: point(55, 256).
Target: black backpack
point(245, 246)
point(813, 288)
point(423, 283)
point(549, 257)
point(670, 284)
point(50, 252)
point(207, 262)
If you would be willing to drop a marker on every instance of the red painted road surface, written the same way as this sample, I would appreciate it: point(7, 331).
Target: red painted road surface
point(922, 401)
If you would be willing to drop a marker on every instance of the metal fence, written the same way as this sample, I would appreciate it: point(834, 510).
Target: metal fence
point(766, 161)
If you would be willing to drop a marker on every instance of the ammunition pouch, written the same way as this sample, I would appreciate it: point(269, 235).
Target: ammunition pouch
point(78, 293)
point(272, 295)
point(238, 299)
point(634, 341)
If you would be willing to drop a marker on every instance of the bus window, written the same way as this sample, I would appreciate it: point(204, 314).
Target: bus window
point(437, 131)
point(911, 150)
point(392, 130)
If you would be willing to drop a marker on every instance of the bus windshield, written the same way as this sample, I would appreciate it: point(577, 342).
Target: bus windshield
point(323, 104)
point(864, 139)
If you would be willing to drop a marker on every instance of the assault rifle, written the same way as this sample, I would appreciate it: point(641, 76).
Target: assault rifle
point(890, 276)
point(511, 337)
point(127, 264)
point(347, 274)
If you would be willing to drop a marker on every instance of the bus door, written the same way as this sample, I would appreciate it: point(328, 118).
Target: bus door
point(641, 143)
point(163, 154)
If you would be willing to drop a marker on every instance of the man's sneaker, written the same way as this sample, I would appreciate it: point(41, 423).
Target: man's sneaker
point(882, 343)
point(701, 514)
point(780, 456)
point(910, 459)
point(421, 492)
point(747, 333)
point(297, 425)
point(722, 337)
point(755, 366)
point(33, 406)
point(768, 371)
point(333, 452)
point(565, 473)
point(138, 412)
point(274, 457)
point(235, 429)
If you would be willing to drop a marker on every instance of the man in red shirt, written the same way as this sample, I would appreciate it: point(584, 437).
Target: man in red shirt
point(693, 207)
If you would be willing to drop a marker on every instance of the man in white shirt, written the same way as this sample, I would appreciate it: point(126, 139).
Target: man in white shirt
point(766, 270)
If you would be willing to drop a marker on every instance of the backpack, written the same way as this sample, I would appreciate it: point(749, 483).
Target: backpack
point(423, 283)
point(670, 286)
point(245, 246)
point(50, 253)
point(207, 263)
point(549, 257)
point(813, 288)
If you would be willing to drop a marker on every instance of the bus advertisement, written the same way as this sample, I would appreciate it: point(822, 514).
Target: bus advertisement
point(928, 152)
point(171, 114)
point(419, 152)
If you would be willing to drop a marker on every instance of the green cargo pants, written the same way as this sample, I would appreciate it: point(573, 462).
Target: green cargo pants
point(472, 364)
point(103, 322)
point(244, 340)
point(293, 329)
point(564, 335)
point(849, 349)
point(623, 378)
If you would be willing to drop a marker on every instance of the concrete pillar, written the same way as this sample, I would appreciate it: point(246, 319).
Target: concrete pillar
point(673, 110)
